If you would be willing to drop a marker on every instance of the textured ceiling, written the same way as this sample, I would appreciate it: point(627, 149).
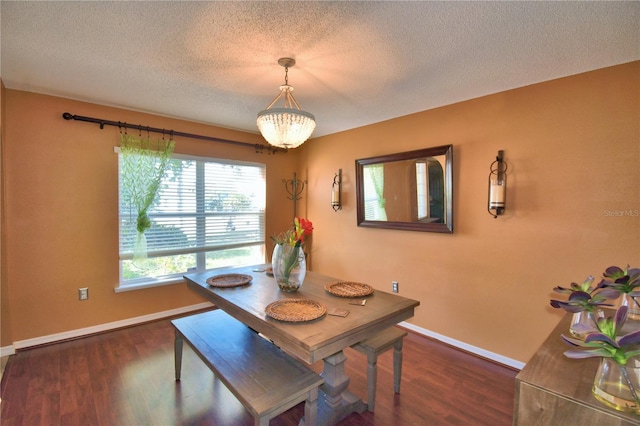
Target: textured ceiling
point(357, 62)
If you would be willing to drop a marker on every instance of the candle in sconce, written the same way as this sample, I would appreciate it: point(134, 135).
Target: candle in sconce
point(497, 195)
point(335, 195)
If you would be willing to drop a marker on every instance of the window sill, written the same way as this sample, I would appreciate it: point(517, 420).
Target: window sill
point(148, 284)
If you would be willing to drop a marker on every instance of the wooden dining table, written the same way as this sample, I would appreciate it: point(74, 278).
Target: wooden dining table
point(323, 338)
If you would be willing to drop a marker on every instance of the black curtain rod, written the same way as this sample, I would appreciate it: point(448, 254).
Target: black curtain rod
point(120, 124)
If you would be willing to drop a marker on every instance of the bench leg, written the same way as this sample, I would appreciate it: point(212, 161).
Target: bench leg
point(372, 379)
point(397, 365)
point(310, 412)
point(310, 409)
point(178, 353)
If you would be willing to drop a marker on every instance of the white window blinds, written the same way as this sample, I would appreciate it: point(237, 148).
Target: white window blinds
point(208, 213)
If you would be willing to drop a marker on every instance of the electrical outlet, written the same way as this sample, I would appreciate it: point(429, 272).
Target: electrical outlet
point(83, 293)
point(394, 286)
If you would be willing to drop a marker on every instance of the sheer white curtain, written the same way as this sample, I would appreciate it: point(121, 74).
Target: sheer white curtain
point(142, 171)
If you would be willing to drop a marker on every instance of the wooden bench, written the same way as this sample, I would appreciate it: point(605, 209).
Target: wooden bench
point(391, 337)
point(263, 378)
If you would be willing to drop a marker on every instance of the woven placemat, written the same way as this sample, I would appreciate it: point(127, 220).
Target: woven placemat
point(229, 280)
point(348, 289)
point(295, 310)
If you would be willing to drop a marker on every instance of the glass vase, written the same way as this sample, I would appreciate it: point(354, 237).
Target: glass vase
point(617, 386)
point(289, 267)
point(634, 306)
point(581, 324)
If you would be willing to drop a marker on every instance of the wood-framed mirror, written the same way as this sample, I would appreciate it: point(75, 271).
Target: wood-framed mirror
point(408, 190)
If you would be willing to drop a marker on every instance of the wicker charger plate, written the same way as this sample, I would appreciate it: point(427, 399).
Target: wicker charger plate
point(229, 280)
point(295, 310)
point(348, 289)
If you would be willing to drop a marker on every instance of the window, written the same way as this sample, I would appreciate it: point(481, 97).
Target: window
point(374, 201)
point(421, 190)
point(208, 213)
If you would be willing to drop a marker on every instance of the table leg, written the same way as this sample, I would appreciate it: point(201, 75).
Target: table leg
point(177, 347)
point(336, 402)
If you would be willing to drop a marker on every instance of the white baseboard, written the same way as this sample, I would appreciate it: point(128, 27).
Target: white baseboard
point(6, 351)
point(52, 338)
point(22, 344)
point(466, 347)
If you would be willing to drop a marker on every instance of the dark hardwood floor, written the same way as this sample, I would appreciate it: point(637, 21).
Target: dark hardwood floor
point(125, 377)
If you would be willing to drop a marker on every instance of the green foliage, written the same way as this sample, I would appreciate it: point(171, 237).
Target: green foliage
point(180, 264)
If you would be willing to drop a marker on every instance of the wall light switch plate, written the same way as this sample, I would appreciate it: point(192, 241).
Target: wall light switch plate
point(83, 293)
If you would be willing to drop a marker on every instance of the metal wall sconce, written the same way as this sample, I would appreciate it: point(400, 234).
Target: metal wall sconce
point(336, 191)
point(497, 186)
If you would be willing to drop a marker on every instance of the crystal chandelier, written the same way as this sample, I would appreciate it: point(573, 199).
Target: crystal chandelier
point(290, 126)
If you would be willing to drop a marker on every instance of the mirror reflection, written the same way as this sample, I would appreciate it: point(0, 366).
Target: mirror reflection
point(410, 190)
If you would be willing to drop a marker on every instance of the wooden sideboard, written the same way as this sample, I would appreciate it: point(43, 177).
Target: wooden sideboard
point(554, 390)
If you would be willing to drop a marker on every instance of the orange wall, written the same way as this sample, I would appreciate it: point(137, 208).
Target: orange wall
point(573, 150)
point(62, 218)
point(5, 317)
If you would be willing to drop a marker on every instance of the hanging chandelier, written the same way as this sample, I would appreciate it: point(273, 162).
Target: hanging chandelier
point(290, 126)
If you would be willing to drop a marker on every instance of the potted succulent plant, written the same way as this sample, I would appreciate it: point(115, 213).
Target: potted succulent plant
point(584, 299)
point(617, 380)
point(627, 283)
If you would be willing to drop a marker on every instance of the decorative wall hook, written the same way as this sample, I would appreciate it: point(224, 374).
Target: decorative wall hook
point(497, 186)
point(294, 188)
point(336, 191)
